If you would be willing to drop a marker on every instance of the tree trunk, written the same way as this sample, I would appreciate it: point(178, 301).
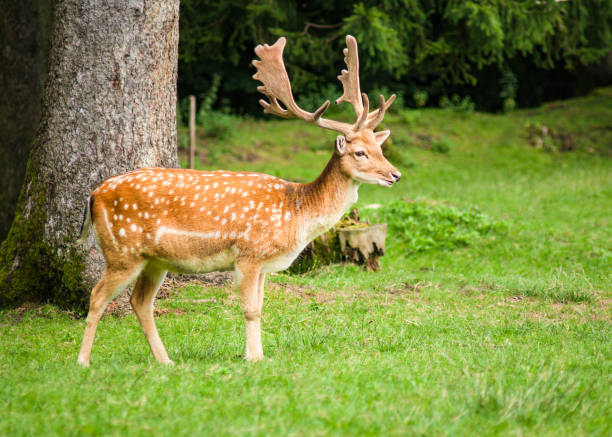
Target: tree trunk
point(25, 28)
point(109, 106)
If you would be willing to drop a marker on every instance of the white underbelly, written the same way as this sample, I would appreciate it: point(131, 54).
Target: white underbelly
point(221, 261)
point(281, 262)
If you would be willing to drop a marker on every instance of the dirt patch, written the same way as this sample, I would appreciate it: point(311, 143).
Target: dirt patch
point(33, 310)
point(17, 314)
point(165, 311)
point(311, 294)
point(557, 312)
point(304, 292)
point(416, 287)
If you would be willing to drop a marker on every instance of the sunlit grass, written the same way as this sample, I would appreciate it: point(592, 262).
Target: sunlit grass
point(509, 334)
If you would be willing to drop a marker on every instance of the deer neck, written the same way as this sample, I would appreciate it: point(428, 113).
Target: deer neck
point(322, 202)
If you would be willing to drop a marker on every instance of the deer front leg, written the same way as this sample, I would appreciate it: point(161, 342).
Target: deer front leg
point(248, 277)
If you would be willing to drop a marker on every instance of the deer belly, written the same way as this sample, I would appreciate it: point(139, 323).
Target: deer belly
point(281, 262)
point(220, 261)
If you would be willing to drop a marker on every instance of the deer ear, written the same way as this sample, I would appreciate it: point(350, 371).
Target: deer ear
point(381, 136)
point(340, 145)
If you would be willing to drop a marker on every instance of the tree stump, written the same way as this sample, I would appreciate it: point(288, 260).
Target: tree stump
point(351, 240)
point(363, 244)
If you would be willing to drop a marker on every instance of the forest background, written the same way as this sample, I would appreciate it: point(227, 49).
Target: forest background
point(493, 55)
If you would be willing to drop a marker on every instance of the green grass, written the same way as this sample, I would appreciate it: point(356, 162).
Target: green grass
point(507, 334)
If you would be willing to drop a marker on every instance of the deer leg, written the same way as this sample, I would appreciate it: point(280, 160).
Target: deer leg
point(142, 300)
point(111, 284)
point(249, 297)
point(260, 291)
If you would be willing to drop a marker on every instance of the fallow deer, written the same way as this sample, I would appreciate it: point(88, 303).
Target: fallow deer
point(154, 220)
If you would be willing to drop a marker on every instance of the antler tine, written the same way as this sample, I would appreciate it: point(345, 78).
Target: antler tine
point(350, 77)
point(277, 88)
point(364, 113)
point(274, 108)
point(375, 117)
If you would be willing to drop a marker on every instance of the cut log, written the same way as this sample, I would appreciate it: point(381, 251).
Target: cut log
point(348, 241)
point(363, 244)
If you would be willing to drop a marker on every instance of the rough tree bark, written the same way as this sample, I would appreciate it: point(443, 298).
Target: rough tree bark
point(109, 106)
point(25, 28)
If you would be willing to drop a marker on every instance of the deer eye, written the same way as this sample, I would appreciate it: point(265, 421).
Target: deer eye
point(360, 153)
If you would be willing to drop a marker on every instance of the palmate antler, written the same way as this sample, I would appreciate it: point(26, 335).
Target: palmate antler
point(277, 87)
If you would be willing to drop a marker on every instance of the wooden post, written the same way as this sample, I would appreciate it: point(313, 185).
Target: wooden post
point(192, 130)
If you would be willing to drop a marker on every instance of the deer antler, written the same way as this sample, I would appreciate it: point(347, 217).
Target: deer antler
point(375, 117)
point(350, 77)
point(277, 87)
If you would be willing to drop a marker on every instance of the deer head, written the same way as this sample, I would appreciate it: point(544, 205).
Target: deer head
point(358, 147)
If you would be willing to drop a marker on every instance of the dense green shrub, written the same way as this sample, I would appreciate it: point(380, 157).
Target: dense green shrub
point(420, 98)
point(441, 145)
point(420, 226)
point(457, 104)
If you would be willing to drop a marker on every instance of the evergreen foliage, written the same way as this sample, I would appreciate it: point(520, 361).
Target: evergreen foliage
point(447, 47)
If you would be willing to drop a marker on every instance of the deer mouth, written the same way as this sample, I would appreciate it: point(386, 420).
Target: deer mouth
point(385, 182)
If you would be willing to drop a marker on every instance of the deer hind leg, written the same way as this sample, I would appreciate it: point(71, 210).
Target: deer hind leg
point(249, 296)
point(260, 291)
point(142, 300)
point(111, 284)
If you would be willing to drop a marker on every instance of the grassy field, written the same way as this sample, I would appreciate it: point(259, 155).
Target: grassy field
point(508, 334)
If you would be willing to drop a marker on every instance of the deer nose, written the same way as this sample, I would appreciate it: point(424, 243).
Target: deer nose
point(396, 176)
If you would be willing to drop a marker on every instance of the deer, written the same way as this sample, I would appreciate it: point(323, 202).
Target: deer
point(154, 220)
